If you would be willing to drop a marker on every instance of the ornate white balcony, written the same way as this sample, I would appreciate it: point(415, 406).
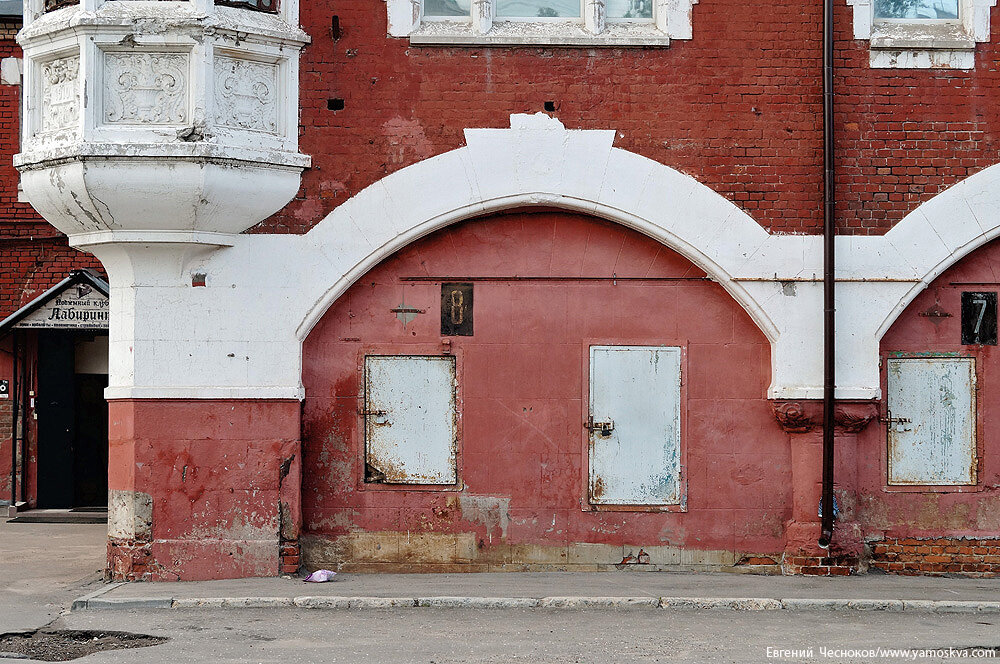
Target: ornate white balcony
point(160, 120)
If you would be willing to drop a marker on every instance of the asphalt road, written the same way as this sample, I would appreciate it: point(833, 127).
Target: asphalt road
point(452, 636)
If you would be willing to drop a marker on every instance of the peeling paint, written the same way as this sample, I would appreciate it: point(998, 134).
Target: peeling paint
point(391, 551)
point(130, 515)
point(490, 511)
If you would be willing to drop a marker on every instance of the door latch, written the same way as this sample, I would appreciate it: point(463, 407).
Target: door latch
point(603, 428)
point(378, 417)
point(900, 423)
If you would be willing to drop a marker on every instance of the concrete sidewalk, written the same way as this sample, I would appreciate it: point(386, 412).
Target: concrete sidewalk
point(654, 590)
point(43, 566)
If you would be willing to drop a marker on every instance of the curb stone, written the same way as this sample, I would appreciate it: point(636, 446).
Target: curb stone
point(232, 603)
point(131, 603)
point(478, 602)
point(94, 601)
point(733, 603)
point(598, 602)
point(82, 602)
point(891, 605)
point(951, 606)
point(353, 602)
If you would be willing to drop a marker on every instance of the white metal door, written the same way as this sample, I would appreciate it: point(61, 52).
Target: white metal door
point(410, 419)
point(932, 420)
point(635, 425)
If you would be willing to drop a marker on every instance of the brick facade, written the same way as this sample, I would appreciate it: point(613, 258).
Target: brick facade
point(737, 109)
point(979, 557)
point(837, 565)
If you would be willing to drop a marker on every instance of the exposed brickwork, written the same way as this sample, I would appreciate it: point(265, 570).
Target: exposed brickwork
point(739, 110)
point(129, 560)
point(34, 264)
point(979, 557)
point(820, 566)
point(9, 28)
point(290, 557)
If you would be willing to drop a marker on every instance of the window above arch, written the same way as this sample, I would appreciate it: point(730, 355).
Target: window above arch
point(269, 6)
point(585, 23)
point(52, 5)
point(922, 34)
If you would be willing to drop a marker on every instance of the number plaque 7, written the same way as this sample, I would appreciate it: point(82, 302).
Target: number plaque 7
point(979, 318)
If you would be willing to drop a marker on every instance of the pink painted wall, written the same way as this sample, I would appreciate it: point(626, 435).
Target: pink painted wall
point(937, 512)
point(216, 473)
point(522, 384)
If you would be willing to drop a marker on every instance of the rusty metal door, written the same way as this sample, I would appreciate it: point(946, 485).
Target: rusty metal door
point(635, 425)
point(410, 419)
point(932, 420)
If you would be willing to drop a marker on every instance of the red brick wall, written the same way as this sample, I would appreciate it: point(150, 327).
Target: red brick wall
point(737, 107)
point(938, 555)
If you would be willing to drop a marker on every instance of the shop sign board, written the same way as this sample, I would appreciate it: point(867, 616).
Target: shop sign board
point(78, 307)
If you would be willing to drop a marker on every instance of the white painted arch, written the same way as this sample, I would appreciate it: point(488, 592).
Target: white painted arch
point(880, 276)
point(241, 335)
point(551, 199)
point(943, 230)
point(538, 162)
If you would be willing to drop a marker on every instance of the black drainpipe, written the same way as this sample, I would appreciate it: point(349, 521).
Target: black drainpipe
point(829, 329)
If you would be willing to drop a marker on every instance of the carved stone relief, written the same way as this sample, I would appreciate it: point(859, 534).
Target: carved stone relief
point(60, 94)
point(246, 94)
point(145, 88)
point(805, 416)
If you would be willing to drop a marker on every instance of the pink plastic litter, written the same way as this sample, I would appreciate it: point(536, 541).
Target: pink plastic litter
point(320, 576)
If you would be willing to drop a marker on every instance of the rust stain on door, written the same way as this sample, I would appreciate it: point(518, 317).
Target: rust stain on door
point(410, 419)
point(634, 425)
point(931, 421)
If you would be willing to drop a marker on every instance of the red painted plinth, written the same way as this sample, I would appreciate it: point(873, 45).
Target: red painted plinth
point(202, 489)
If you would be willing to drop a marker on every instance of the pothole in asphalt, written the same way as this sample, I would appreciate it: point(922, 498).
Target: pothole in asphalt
point(66, 644)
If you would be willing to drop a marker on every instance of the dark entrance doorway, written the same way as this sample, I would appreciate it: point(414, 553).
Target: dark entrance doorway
point(72, 447)
point(59, 451)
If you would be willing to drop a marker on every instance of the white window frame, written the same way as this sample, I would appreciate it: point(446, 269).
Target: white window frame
point(671, 20)
point(288, 10)
point(923, 43)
